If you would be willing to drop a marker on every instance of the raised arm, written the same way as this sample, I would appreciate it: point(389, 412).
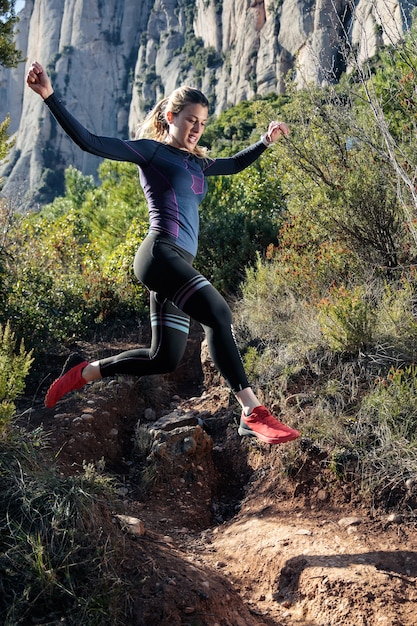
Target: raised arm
point(106, 147)
point(244, 158)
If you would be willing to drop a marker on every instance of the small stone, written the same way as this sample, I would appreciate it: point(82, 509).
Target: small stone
point(189, 610)
point(149, 415)
point(189, 445)
point(114, 432)
point(138, 529)
point(173, 420)
point(133, 525)
point(344, 522)
point(303, 531)
point(323, 495)
point(394, 518)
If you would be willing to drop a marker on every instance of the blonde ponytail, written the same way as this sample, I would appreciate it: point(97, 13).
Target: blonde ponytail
point(155, 126)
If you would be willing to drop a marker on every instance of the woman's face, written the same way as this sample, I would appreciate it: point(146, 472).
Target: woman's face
point(187, 126)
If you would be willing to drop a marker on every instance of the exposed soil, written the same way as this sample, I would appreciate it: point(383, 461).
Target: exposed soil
point(221, 538)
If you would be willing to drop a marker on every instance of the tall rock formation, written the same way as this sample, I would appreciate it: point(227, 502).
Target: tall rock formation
point(110, 61)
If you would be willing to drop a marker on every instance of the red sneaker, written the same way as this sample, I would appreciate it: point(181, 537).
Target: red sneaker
point(260, 423)
point(70, 379)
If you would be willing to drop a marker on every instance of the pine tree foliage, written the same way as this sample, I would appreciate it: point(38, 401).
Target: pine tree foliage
point(10, 56)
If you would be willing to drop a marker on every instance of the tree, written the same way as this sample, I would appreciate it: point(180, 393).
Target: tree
point(9, 55)
point(385, 85)
point(4, 126)
point(239, 219)
point(108, 210)
point(339, 179)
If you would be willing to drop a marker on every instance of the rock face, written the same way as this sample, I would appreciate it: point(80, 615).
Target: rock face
point(110, 61)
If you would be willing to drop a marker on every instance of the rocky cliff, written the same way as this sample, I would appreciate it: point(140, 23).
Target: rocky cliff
point(111, 60)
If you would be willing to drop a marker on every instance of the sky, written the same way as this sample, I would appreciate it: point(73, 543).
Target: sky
point(19, 5)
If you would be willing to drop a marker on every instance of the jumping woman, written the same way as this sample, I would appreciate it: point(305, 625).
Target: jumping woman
point(173, 170)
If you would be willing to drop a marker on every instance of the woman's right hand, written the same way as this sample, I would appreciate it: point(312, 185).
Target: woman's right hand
point(39, 81)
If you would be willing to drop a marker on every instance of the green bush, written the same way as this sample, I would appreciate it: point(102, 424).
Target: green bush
point(385, 436)
point(324, 382)
point(392, 405)
point(396, 323)
point(308, 261)
point(239, 219)
point(15, 364)
point(339, 180)
point(273, 310)
point(347, 319)
point(107, 211)
point(118, 269)
point(60, 282)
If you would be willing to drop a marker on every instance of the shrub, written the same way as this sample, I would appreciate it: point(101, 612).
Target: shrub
point(57, 284)
point(393, 404)
point(240, 218)
point(272, 310)
point(308, 260)
point(118, 269)
point(347, 319)
point(385, 435)
point(396, 323)
point(15, 363)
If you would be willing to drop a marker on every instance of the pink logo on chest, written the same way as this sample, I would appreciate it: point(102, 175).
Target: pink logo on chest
point(198, 184)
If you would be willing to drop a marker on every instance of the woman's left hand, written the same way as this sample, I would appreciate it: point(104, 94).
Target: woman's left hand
point(275, 130)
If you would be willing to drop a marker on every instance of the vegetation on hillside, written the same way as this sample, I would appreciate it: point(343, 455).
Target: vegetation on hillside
point(316, 245)
point(10, 56)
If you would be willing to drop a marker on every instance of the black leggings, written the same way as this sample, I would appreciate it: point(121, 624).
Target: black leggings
point(178, 292)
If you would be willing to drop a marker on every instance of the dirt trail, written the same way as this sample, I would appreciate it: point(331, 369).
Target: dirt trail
point(299, 568)
point(227, 541)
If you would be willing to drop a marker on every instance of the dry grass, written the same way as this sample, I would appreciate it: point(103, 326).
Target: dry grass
point(54, 556)
point(349, 405)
